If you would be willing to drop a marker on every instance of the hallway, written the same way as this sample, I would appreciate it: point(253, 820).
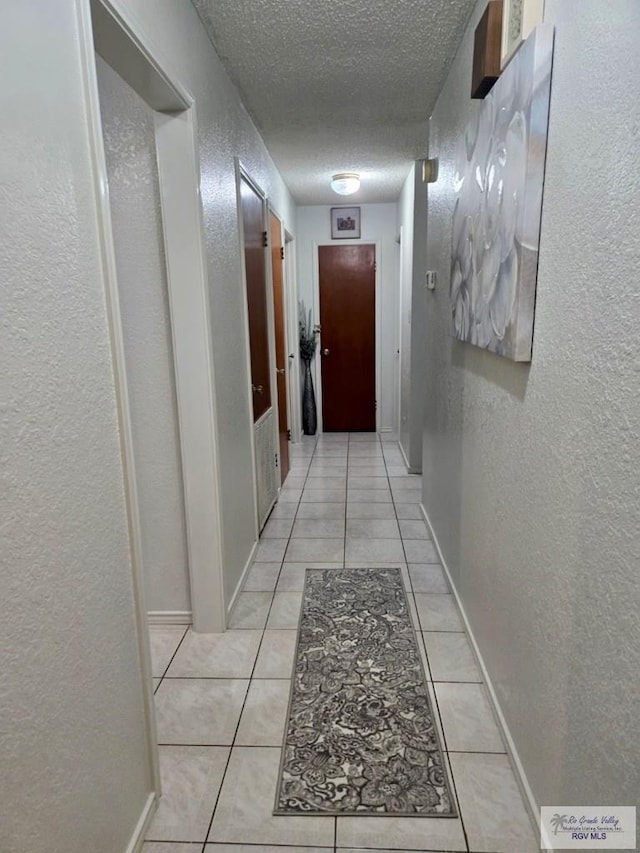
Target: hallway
point(221, 700)
point(137, 467)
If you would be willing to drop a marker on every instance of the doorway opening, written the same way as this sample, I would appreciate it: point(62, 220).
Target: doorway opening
point(134, 198)
point(109, 32)
point(115, 39)
point(277, 246)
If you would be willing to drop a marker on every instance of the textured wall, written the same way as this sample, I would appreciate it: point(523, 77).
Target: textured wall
point(379, 224)
point(72, 746)
point(406, 204)
point(531, 472)
point(225, 131)
point(412, 216)
point(134, 196)
point(72, 749)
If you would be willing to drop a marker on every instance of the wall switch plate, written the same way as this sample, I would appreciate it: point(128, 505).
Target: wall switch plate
point(430, 279)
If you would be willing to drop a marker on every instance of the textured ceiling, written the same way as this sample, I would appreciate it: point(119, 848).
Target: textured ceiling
point(338, 85)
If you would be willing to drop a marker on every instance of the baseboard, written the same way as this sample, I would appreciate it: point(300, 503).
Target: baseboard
point(169, 617)
point(243, 576)
point(410, 468)
point(512, 752)
point(139, 833)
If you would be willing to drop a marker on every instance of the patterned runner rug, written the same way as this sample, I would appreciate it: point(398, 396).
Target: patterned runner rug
point(360, 736)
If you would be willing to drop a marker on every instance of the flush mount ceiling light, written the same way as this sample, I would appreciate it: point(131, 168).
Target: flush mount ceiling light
point(345, 183)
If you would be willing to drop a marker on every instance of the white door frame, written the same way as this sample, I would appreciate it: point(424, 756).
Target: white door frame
point(293, 337)
point(316, 313)
point(125, 48)
point(288, 363)
point(107, 25)
point(401, 340)
point(271, 324)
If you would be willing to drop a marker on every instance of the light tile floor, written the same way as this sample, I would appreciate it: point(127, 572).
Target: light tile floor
point(222, 699)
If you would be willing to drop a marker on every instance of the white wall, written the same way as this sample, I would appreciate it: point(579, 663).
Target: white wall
point(225, 131)
point(378, 225)
point(73, 751)
point(72, 743)
point(412, 223)
point(405, 228)
point(134, 196)
point(531, 472)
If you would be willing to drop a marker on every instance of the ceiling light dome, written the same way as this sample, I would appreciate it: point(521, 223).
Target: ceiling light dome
point(345, 183)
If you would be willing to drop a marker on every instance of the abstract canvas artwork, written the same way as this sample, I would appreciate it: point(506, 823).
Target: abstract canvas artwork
point(499, 177)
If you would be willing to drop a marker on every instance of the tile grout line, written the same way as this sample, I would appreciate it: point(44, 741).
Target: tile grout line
point(290, 537)
point(209, 745)
point(253, 669)
point(430, 674)
point(344, 533)
point(310, 847)
point(230, 747)
point(435, 696)
point(239, 678)
point(313, 456)
point(166, 669)
point(235, 734)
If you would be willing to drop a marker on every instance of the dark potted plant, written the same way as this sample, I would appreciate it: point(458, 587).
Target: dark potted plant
point(308, 343)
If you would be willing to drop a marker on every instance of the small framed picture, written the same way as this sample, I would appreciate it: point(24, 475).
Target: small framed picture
point(519, 17)
point(345, 223)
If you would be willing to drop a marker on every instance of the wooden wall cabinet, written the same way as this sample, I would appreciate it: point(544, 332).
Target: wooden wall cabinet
point(486, 50)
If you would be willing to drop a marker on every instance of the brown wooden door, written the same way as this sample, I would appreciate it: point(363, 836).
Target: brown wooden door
point(256, 270)
point(277, 267)
point(348, 337)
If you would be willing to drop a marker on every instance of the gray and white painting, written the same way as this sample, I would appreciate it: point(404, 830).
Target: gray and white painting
point(496, 221)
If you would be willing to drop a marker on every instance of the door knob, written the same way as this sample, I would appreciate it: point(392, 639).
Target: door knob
point(257, 389)
point(280, 370)
point(325, 351)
